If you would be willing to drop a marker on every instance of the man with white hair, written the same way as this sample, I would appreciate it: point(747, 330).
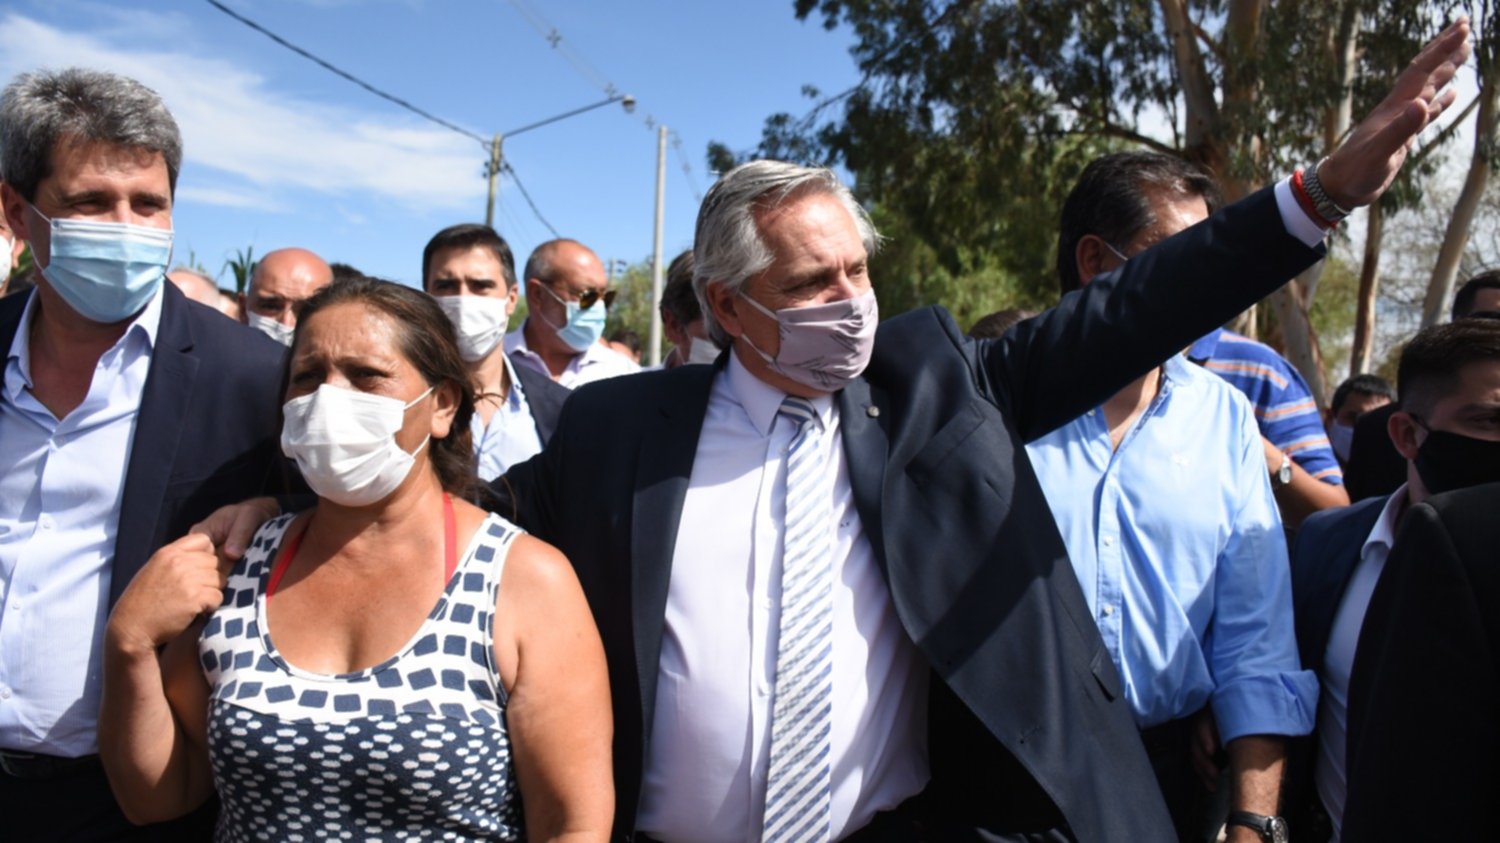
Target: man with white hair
point(832, 596)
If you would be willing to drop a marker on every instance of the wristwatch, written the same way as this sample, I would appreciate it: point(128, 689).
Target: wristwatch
point(1270, 829)
point(1282, 477)
point(1327, 208)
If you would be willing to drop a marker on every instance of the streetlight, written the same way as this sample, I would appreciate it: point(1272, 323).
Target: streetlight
point(496, 158)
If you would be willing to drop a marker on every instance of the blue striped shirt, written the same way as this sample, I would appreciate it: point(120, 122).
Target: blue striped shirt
point(1284, 407)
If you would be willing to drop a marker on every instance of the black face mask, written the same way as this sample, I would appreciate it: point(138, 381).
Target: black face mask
point(1448, 461)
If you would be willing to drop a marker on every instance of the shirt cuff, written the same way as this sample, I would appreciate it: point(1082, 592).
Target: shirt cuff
point(1275, 704)
point(1297, 222)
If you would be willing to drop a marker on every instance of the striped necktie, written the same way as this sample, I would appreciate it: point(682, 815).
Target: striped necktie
point(798, 787)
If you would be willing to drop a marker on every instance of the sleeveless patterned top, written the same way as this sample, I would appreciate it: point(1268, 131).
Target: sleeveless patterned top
point(415, 747)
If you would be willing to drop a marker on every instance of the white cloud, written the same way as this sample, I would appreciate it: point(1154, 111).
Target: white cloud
point(227, 198)
point(234, 123)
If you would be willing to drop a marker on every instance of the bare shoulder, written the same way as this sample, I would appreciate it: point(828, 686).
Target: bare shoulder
point(537, 570)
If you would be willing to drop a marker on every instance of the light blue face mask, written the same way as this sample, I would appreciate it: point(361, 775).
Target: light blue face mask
point(106, 271)
point(584, 327)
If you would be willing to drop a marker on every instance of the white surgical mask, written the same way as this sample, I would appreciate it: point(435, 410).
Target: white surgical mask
point(9, 245)
point(344, 442)
point(701, 350)
point(479, 321)
point(271, 328)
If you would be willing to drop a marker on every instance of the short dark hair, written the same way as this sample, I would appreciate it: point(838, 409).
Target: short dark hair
point(1463, 300)
point(1361, 385)
point(468, 236)
point(1110, 202)
point(343, 271)
point(1431, 362)
point(997, 323)
point(677, 297)
point(428, 341)
point(628, 338)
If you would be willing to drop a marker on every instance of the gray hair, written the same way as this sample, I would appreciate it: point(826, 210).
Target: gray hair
point(727, 246)
point(40, 109)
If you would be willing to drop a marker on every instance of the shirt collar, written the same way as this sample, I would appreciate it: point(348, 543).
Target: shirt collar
point(1383, 534)
point(761, 401)
point(18, 361)
point(516, 398)
point(515, 341)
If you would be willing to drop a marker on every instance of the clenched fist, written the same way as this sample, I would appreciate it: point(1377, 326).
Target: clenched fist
point(178, 583)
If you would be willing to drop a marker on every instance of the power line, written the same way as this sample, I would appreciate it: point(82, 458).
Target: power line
point(345, 74)
point(507, 168)
point(554, 38)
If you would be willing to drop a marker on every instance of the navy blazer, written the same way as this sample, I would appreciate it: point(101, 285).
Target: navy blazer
point(207, 432)
point(544, 397)
point(1324, 556)
point(1028, 729)
point(1423, 730)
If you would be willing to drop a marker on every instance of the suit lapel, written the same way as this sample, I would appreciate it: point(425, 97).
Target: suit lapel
point(863, 414)
point(664, 466)
point(158, 432)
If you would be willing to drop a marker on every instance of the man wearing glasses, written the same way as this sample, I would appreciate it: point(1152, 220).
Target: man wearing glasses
point(568, 303)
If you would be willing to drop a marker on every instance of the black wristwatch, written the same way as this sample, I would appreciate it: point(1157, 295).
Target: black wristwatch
point(1270, 829)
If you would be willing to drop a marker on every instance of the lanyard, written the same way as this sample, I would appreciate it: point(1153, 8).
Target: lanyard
point(450, 550)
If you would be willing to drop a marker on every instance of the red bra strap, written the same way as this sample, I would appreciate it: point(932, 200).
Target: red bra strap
point(450, 550)
point(450, 540)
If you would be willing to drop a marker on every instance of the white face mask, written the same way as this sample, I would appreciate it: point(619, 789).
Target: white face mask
point(9, 246)
point(344, 442)
point(283, 334)
point(479, 321)
point(701, 350)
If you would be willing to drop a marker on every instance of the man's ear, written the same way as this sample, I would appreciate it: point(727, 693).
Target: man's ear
point(15, 212)
point(1404, 431)
point(1091, 256)
point(724, 305)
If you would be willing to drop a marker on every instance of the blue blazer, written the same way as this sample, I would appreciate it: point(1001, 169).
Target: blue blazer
point(1323, 559)
point(208, 429)
point(1028, 731)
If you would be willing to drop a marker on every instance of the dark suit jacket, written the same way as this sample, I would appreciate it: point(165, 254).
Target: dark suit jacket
point(208, 429)
point(1324, 557)
point(1029, 730)
point(544, 396)
point(1424, 732)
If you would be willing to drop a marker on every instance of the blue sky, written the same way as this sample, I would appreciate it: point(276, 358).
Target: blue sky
point(280, 152)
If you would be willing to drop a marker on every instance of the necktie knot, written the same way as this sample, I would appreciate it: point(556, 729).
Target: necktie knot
point(799, 410)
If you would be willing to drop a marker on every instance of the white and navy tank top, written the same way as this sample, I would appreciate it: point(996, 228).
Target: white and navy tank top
point(415, 747)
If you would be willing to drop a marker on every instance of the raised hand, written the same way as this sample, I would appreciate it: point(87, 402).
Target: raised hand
point(1367, 161)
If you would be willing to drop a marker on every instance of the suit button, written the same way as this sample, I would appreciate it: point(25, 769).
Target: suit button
point(872, 411)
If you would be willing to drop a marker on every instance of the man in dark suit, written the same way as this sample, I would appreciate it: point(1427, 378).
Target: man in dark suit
point(471, 271)
point(127, 414)
point(1425, 732)
point(684, 498)
point(1447, 421)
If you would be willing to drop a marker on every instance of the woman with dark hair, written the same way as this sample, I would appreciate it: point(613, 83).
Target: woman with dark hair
point(393, 662)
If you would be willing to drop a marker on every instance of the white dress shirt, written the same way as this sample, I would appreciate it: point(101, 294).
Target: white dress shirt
point(594, 363)
point(60, 490)
point(1338, 660)
point(707, 761)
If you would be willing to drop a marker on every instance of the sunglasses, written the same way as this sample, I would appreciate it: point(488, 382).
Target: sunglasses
point(586, 298)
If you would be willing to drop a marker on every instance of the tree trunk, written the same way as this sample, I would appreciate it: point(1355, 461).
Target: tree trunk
point(1369, 288)
point(1456, 237)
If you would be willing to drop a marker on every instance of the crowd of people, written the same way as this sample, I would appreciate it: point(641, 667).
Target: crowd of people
point(339, 558)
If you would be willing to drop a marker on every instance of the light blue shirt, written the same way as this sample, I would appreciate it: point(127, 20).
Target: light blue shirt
point(511, 436)
point(1178, 546)
point(61, 483)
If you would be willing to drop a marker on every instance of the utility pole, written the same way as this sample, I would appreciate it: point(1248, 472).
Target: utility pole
point(656, 263)
point(495, 159)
